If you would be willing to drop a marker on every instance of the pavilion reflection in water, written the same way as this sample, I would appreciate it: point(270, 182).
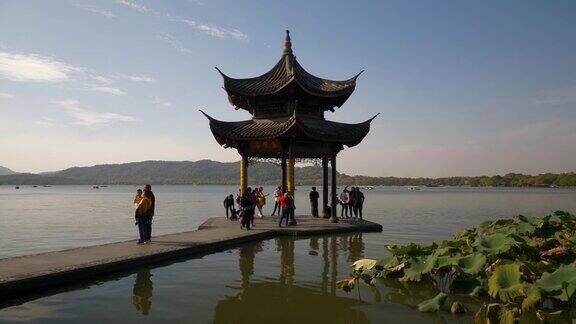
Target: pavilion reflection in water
point(287, 301)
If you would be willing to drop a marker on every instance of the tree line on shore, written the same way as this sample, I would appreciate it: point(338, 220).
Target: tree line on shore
point(227, 173)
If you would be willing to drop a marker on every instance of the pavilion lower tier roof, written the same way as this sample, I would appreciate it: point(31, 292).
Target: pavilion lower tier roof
point(314, 129)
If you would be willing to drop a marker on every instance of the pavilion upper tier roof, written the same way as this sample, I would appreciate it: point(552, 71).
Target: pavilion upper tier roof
point(287, 72)
point(319, 130)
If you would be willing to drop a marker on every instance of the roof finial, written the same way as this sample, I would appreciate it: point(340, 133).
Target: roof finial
point(287, 44)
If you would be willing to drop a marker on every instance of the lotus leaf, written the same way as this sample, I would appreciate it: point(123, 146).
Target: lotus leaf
point(508, 315)
point(562, 281)
point(432, 305)
point(495, 243)
point(472, 264)
point(446, 261)
point(505, 282)
point(533, 296)
point(525, 228)
point(411, 250)
point(365, 264)
point(418, 267)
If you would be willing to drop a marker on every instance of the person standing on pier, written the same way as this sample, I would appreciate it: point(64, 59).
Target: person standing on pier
point(359, 204)
point(150, 215)
point(314, 196)
point(344, 200)
point(142, 216)
point(229, 206)
point(260, 200)
point(287, 205)
point(277, 195)
point(247, 208)
point(352, 202)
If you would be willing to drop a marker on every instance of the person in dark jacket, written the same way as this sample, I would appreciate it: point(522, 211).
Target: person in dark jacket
point(247, 206)
point(359, 203)
point(150, 215)
point(314, 196)
point(229, 206)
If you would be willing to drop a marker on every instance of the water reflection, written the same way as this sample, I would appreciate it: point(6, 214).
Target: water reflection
point(142, 292)
point(286, 300)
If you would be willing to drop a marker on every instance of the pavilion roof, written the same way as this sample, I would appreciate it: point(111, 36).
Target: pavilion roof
point(288, 72)
point(320, 130)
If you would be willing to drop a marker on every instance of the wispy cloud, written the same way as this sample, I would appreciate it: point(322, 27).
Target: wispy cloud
point(159, 102)
point(206, 28)
point(33, 68)
point(6, 95)
point(139, 78)
point(559, 96)
point(45, 121)
point(84, 117)
point(175, 43)
point(94, 9)
point(110, 90)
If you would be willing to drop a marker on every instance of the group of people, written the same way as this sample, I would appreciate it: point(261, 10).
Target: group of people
point(144, 205)
point(352, 202)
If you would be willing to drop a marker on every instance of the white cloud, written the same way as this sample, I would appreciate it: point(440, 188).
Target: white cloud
point(209, 29)
point(114, 91)
point(89, 118)
point(5, 95)
point(170, 39)
point(33, 68)
point(139, 78)
point(159, 102)
point(45, 121)
point(94, 9)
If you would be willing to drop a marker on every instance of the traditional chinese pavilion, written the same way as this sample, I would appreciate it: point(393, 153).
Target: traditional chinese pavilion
point(288, 105)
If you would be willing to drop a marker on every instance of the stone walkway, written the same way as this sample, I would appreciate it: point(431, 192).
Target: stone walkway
point(33, 273)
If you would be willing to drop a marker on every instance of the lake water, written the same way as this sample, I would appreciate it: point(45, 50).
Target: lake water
point(275, 281)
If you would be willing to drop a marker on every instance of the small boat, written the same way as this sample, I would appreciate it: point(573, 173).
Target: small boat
point(16, 187)
point(414, 188)
point(95, 187)
point(47, 186)
point(34, 186)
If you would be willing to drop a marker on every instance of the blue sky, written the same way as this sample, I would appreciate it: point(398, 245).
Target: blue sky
point(463, 88)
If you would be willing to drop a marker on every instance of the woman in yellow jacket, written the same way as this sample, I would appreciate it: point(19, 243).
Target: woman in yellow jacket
point(143, 216)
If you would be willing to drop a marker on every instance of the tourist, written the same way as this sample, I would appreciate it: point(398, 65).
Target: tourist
point(246, 209)
point(229, 206)
point(260, 201)
point(359, 202)
point(137, 199)
point(151, 212)
point(344, 200)
point(314, 196)
point(352, 202)
point(277, 194)
point(287, 205)
point(143, 216)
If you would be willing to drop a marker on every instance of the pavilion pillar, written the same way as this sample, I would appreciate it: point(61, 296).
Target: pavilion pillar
point(291, 187)
point(325, 187)
point(333, 218)
point(243, 174)
point(284, 184)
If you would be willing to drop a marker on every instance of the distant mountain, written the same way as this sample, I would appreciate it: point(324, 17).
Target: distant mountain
point(5, 171)
point(264, 173)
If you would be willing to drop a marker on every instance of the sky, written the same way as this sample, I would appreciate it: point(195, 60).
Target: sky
point(462, 87)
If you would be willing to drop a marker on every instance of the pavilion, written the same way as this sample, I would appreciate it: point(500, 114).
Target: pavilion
point(288, 105)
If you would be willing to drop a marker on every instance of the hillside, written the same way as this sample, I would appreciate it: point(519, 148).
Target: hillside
point(5, 171)
point(213, 172)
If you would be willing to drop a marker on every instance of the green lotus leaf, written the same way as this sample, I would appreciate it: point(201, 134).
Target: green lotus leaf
point(524, 228)
point(418, 267)
point(495, 243)
point(364, 264)
point(446, 261)
point(506, 230)
point(562, 282)
point(473, 263)
point(432, 305)
point(505, 282)
point(533, 296)
point(411, 250)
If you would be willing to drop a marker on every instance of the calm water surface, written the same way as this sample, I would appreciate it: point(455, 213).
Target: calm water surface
point(275, 281)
